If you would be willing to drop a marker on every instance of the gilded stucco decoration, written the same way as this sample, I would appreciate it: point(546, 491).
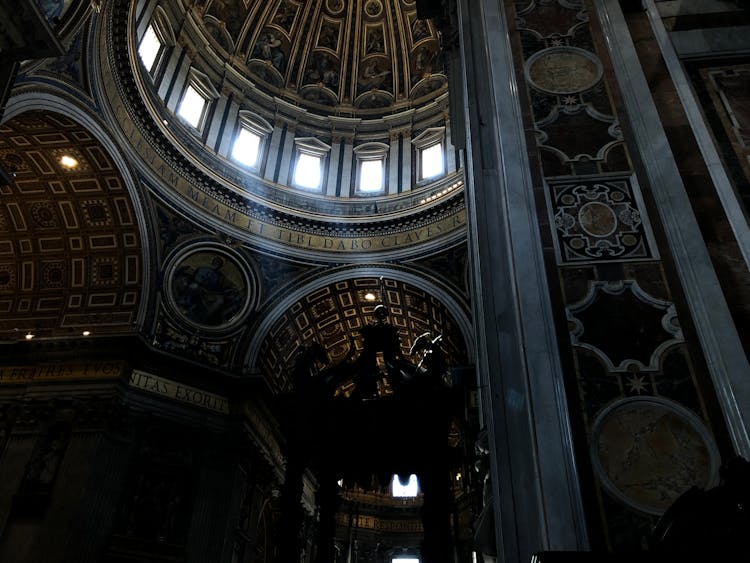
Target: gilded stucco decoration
point(70, 247)
point(334, 315)
point(365, 58)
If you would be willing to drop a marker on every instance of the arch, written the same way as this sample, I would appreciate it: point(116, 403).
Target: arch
point(67, 106)
point(433, 288)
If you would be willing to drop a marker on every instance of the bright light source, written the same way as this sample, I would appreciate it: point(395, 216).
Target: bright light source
point(149, 48)
point(86, 333)
point(68, 161)
point(404, 560)
point(370, 297)
point(371, 176)
point(192, 106)
point(29, 335)
point(409, 489)
point(307, 174)
point(432, 161)
point(245, 150)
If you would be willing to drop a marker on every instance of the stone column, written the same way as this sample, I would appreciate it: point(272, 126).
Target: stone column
point(536, 490)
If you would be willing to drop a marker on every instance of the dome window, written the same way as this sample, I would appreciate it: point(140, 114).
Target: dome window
point(405, 489)
point(155, 41)
point(196, 99)
point(370, 167)
point(430, 154)
point(249, 143)
point(307, 173)
point(432, 161)
point(310, 163)
point(246, 147)
point(149, 48)
point(193, 106)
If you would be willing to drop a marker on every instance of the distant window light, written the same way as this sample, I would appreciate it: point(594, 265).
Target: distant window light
point(307, 173)
point(149, 48)
point(192, 106)
point(371, 176)
point(432, 161)
point(409, 489)
point(246, 147)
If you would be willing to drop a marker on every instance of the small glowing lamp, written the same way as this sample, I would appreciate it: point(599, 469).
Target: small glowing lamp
point(68, 161)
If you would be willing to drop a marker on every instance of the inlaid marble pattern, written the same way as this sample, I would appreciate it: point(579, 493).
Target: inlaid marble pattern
point(599, 220)
point(628, 329)
point(648, 451)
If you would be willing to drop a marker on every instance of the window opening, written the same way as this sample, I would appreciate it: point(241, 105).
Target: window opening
point(432, 161)
point(192, 106)
point(149, 48)
point(409, 488)
point(371, 176)
point(246, 147)
point(307, 173)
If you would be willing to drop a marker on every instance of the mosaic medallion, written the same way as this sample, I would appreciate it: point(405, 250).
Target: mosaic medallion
point(563, 70)
point(209, 287)
point(648, 451)
point(599, 220)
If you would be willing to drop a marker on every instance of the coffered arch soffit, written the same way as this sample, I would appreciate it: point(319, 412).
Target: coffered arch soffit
point(333, 308)
point(73, 251)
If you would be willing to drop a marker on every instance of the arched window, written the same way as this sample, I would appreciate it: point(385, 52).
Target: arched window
point(407, 489)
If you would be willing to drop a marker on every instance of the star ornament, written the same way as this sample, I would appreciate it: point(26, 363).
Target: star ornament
point(637, 384)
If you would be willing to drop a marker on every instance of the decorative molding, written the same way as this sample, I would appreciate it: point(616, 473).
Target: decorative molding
point(668, 322)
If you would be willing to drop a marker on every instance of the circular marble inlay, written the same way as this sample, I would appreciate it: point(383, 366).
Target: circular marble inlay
point(647, 451)
point(597, 219)
point(563, 70)
point(209, 287)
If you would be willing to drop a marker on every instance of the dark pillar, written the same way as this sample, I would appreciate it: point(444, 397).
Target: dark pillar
point(292, 515)
point(436, 513)
point(328, 503)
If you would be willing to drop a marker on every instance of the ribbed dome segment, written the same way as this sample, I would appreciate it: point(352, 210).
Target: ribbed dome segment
point(361, 57)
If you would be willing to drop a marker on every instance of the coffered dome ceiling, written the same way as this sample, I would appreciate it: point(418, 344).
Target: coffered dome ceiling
point(363, 57)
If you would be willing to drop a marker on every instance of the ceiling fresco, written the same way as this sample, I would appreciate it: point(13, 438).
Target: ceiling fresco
point(363, 57)
point(70, 248)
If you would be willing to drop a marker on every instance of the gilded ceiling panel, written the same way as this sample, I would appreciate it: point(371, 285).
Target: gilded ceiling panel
point(70, 256)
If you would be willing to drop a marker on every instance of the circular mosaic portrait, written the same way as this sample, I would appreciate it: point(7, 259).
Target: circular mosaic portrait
point(648, 451)
point(209, 287)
